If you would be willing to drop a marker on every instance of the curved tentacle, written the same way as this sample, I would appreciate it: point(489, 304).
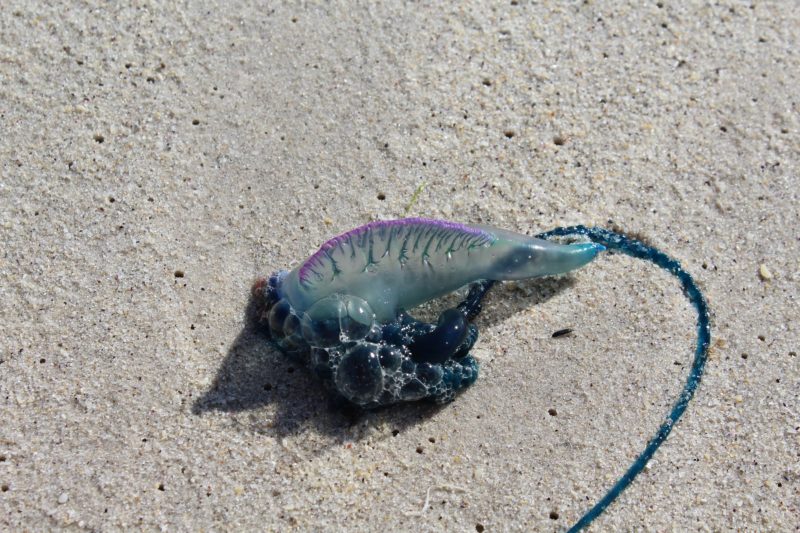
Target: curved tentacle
point(471, 305)
point(637, 249)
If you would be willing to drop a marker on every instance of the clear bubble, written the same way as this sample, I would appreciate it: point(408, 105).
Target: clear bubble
point(390, 357)
point(320, 324)
point(320, 356)
point(359, 318)
point(336, 319)
point(429, 374)
point(277, 316)
point(292, 331)
point(408, 366)
point(359, 376)
point(375, 333)
point(413, 390)
point(327, 308)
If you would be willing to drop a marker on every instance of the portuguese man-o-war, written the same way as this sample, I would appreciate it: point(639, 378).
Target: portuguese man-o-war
point(344, 311)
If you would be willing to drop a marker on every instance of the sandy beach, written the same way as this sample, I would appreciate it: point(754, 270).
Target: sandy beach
point(156, 159)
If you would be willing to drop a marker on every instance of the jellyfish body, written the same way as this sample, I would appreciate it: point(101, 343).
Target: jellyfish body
point(343, 311)
point(397, 265)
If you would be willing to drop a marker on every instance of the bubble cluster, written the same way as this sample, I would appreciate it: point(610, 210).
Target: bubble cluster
point(369, 363)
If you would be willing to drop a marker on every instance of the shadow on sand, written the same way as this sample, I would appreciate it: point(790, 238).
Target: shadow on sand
point(255, 375)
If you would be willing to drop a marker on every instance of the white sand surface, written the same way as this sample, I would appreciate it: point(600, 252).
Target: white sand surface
point(219, 141)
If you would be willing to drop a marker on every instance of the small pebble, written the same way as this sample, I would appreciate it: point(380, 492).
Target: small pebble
point(764, 273)
point(64, 498)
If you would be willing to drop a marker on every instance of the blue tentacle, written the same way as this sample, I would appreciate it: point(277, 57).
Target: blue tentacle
point(637, 249)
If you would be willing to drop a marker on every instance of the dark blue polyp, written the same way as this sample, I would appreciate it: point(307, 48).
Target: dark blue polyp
point(440, 344)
